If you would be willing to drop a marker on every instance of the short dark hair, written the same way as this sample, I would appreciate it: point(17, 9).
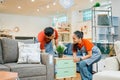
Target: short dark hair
point(48, 31)
point(79, 34)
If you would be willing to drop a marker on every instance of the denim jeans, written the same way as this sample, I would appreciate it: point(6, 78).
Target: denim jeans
point(84, 69)
point(49, 48)
point(84, 72)
point(85, 65)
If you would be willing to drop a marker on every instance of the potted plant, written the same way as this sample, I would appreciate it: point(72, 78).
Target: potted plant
point(60, 50)
point(97, 4)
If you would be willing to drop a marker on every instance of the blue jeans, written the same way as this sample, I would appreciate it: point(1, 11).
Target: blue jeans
point(84, 72)
point(85, 69)
point(49, 48)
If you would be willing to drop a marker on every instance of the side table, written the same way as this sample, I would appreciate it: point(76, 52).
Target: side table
point(64, 68)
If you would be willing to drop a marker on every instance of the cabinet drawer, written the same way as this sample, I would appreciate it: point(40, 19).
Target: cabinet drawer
point(65, 63)
point(65, 73)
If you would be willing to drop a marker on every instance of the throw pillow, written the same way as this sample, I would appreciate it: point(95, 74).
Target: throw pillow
point(29, 53)
point(114, 66)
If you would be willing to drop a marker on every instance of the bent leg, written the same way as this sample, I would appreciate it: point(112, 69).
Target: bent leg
point(84, 72)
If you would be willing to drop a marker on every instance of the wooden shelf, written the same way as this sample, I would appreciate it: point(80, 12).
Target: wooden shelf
point(64, 33)
point(5, 35)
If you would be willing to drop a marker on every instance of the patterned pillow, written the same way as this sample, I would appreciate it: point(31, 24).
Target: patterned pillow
point(29, 53)
point(117, 49)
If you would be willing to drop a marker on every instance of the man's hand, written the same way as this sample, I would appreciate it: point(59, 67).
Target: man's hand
point(43, 51)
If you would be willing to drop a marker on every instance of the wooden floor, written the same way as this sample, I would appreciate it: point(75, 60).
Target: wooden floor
point(76, 78)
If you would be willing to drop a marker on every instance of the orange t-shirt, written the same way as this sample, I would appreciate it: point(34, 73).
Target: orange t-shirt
point(87, 44)
point(43, 40)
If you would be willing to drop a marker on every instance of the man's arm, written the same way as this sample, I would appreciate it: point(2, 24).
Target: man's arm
point(56, 42)
point(42, 46)
point(56, 38)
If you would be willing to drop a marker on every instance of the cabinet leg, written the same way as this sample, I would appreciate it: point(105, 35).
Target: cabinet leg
point(64, 79)
point(71, 78)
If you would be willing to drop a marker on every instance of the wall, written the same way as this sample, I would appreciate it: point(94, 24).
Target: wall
point(29, 25)
point(116, 12)
point(78, 24)
point(115, 7)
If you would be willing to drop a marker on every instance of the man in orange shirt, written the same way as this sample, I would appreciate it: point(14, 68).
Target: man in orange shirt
point(90, 54)
point(45, 38)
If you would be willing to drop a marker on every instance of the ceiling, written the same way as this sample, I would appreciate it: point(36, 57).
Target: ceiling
point(31, 8)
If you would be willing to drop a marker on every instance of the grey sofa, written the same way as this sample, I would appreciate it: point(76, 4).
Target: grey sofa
point(8, 62)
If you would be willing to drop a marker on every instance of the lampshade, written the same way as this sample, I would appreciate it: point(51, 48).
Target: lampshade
point(66, 3)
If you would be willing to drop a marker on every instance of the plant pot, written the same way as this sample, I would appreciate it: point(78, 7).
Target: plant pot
point(60, 55)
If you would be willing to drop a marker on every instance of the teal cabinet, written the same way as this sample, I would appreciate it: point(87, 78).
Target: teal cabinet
point(64, 68)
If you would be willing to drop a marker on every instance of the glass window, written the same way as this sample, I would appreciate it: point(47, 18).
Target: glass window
point(87, 14)
point(59, 19)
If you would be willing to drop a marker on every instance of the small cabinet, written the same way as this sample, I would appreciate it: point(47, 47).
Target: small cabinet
point(64, 68)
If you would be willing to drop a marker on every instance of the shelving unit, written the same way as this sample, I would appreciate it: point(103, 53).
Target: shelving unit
point(100, 29)
point(64, 32)
point(106, 34)
point(101, 24)
point(104, 28)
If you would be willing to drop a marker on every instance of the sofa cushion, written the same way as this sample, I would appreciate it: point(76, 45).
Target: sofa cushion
point(4, 68)
point(10, 50)
point(107, 75)
point(1, 57)
point(117, 49)
point(34, 78)
point(28, 70)
point(114, 66)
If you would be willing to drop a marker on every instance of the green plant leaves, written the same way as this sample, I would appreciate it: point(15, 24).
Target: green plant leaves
point(60, 49)
point(97, 4)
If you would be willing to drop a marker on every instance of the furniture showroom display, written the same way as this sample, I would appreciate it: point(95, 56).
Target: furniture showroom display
point(8, 62)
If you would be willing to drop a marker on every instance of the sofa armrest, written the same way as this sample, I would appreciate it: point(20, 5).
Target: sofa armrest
point(111, 63)
point(47, 60)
